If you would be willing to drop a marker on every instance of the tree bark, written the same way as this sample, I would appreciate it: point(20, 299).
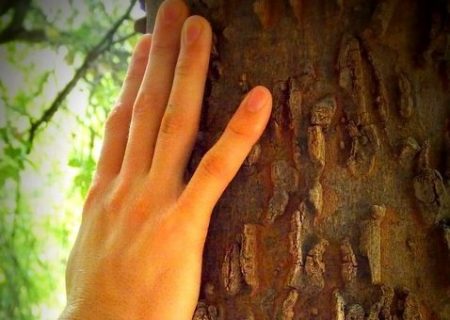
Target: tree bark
point(342, 209)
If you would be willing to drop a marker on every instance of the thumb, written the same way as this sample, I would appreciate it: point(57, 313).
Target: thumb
point(221, 163)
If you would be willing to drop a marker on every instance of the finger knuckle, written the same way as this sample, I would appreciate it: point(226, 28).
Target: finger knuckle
point(183, 68)
point(114, 200)
point(163, 48)
point(213, 166)
point(142, 106)
point(242, 133)
point(94, 193)
point(117, 116)
point(149, 101)
point(135, 74)
point(172, 123)
point(112, 204)
point(140, 58)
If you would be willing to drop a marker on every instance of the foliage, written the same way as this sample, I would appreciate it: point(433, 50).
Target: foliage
point(47, 158)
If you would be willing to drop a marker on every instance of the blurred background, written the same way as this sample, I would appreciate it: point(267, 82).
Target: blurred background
point(62, 63)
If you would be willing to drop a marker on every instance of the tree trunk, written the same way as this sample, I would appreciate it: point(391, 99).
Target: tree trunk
point(341, 211)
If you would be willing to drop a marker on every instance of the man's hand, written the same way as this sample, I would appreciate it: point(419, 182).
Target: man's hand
point(138, 254)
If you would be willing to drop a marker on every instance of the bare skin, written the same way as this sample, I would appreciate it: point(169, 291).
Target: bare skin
point(138, 254)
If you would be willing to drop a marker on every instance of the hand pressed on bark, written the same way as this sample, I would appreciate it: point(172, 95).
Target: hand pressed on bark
point(138, 254)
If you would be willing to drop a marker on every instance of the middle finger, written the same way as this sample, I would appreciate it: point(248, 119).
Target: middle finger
point(180, 122)
point(154, 92)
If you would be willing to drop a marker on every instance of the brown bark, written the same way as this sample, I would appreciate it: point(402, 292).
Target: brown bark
point(342, 210)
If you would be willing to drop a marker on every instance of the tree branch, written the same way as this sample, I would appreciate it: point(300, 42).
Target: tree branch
point(124, 38)
point(5, 5)
point(104, 44)
point(21, 34)
point(15, 29)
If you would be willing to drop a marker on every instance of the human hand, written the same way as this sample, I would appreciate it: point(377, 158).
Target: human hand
point(138, 254)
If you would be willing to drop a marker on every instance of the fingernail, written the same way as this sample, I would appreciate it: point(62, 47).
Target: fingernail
point(171, 11)
point(256, 100)
point(193, 30)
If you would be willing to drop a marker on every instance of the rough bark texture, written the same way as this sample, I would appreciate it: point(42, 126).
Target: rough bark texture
point(341, 211)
